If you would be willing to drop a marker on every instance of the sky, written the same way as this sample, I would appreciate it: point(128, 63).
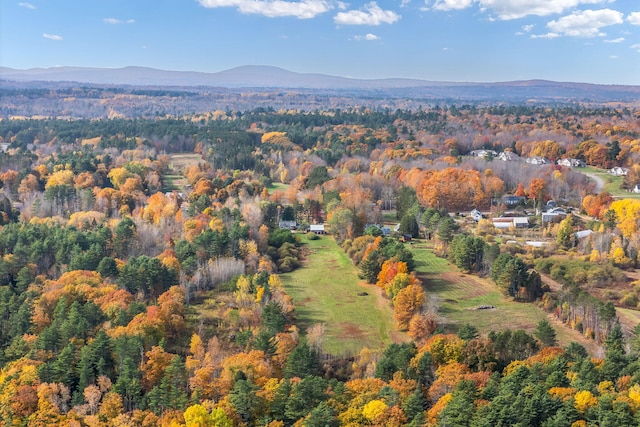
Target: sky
point(591, 41)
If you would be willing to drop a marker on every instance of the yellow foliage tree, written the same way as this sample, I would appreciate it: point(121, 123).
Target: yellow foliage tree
point(374, 409)
point(584, 400)
point(118, 176)
point(444, 348)
point(63, 177)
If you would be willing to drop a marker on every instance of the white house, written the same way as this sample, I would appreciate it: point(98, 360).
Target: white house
point(618, 171)
point(508, 156)
point(537, 160)
point(484, 153)
point(572, 163)
point(317, 228)
point(636, 189)
point(508, 222)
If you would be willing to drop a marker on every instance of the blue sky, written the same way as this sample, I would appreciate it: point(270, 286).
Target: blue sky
point(594, 41)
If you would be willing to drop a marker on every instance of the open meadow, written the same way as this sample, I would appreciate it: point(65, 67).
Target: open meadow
point(326, 289)
point(175, 179)
point(458, 296)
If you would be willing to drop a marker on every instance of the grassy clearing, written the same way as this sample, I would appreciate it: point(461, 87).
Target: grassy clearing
point(181, 161)
point(612, 184)
point(174, 182)
point(277, 186)
point(174, 179)
point(457, 295)
point(325, 290)
point(389, 217)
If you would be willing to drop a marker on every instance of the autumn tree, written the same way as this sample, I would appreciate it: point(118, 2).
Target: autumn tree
point(566, 238)
point(536, 190)
point(406, 304)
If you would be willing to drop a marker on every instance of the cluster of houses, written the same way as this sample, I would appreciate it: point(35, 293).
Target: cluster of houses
point(620, 171)
point(552, 213)
point(509, 156)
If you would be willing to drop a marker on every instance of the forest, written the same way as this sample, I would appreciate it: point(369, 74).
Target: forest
point(151, 267)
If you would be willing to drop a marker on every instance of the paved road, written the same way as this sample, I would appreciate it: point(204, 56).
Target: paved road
point(598, 180)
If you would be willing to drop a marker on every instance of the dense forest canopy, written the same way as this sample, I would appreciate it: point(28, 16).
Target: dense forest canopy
point(142, 263)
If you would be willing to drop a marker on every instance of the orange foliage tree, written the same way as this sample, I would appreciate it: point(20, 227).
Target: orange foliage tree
point(457, 189)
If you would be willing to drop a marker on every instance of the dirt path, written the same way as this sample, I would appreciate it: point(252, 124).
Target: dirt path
point(553, 285)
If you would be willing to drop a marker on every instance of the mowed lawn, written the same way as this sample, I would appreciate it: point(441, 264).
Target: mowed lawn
point(277, 186)
point(612, 184)
point(326, 290)
point(458, 295)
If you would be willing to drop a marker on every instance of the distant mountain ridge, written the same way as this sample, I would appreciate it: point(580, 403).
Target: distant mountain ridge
point(244, 76)
point(261, 76)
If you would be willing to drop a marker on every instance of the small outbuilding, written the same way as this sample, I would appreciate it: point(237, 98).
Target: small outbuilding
point(317, 229)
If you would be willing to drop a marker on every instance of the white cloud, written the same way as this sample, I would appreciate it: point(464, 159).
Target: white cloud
point(634, 18)
point(514, 9)
point(27, 5)
point(636, 47)
point(525, 29)
point(304, 9)
point(613, 56)
point(114, 21)
point(52, 36)
point(452, 4)
point(618, 40)
point(368, 37)
point(545, 36)
point(372, 15)
point(585, 23)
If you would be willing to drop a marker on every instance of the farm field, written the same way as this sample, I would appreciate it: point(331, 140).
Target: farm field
point(457, 296)
point(326, 290)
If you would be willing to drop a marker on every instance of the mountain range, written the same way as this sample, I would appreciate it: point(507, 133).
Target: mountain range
point(258, 76)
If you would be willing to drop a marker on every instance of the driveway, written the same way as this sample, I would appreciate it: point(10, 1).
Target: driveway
point(598, 180)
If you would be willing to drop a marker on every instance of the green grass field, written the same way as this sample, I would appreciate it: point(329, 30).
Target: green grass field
point(277, 186)
point(457, 296)
point(325, 290)
point(612, 184)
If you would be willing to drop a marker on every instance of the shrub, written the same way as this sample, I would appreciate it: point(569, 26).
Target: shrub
point(287, 264)
point(629, 299)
